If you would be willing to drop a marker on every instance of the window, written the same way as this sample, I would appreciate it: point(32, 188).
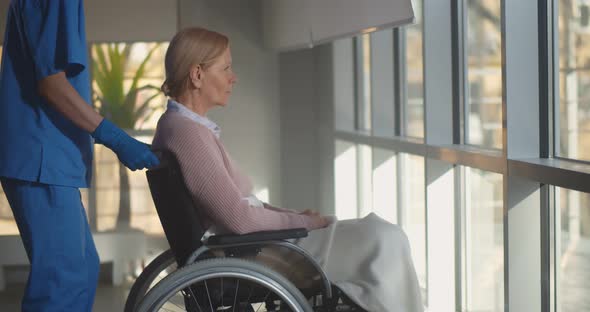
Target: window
point(483, 57)
point(572, 241)
point(414, 79)
point(482, 241)
point(122, 196)
point(385, 188)
point(413, 211)
point(345, 180)
point(7, 223)
point(352, 180)
point(363, 81)
point(573, 118)
point(472, 189)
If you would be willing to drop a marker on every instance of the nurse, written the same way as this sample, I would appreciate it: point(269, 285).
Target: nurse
point(46, 124)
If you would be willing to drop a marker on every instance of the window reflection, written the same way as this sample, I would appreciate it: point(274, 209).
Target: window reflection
point(483, 268)
point(573, 244)
point(574, 80)
point(345, 180)
point(363, 77)
point(483, 42)
point(413, 214)
point(414, 105)
point(119, 191)
point(385, 184)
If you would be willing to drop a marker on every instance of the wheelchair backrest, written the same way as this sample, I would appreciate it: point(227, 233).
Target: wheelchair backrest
point(175, 207)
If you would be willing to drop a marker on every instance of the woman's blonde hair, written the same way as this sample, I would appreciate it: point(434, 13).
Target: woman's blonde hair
point(190, 47)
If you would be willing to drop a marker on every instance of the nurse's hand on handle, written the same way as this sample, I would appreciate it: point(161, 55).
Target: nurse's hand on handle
point(60, 94)
point(131, 152)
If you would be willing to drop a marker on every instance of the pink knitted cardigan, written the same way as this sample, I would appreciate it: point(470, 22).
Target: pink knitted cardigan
point(216, 183)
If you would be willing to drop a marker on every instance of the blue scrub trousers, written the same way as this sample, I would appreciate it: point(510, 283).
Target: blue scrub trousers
point(55, 232)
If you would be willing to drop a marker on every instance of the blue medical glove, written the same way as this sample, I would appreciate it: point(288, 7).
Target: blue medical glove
point(131, 152)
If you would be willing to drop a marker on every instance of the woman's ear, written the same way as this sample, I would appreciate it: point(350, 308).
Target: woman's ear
point(196, 76)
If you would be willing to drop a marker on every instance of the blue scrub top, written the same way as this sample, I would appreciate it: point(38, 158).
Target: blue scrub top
point(43, 37)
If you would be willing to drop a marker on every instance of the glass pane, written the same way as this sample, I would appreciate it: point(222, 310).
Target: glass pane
point(363, 70)
point(413, 193)
point(345, 180)
point(573, 124)
point(106, 186)
point(414, 76)
point(117, 188)
point(573, 244)
point(483, 111)
point(385, 184)
point(483, 271)
point(113, 87)
point(7, 223)
point(365, 179)
point(136, 197)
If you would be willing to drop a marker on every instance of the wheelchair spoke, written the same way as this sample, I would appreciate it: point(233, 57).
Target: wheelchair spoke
point(222, 293)
point(195, 299)
point(264, 302)
point(236, 296)
point(249, 294)
point(209, 296)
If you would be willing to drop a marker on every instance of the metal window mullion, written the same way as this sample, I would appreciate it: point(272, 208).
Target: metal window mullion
point(547, 255)
point(551, 194)
point(546, 78)
point(547, 92)
point(556, 252)
point(553, 12)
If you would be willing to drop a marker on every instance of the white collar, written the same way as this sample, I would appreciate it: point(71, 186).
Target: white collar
point(174, 106)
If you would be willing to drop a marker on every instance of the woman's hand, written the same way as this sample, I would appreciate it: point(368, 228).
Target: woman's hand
point(309, 212)
point(320, 221)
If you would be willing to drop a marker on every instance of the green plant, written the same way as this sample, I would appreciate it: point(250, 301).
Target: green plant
point(120, 104)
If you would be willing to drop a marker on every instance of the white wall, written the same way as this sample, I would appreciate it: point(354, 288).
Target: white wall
point(307, 149)
point(130, 20)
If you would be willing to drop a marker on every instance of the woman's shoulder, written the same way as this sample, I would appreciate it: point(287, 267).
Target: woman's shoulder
point(176, 123)
point(174, 127)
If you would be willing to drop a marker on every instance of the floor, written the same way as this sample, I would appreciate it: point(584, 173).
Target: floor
point(108, 298)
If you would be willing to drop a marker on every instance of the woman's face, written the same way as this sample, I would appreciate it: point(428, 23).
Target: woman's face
point(218, 80)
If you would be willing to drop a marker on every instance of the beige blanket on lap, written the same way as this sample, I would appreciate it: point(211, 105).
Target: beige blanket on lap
point(369, 259)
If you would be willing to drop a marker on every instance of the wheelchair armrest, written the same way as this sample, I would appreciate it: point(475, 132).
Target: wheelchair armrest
point(226, 239)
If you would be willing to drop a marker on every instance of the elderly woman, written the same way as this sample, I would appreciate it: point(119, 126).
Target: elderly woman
point(368, 259)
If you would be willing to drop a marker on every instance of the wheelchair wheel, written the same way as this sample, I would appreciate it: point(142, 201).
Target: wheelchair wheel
point(153, 273)
point(224, 284)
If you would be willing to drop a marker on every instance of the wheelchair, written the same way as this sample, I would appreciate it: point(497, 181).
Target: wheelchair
point(220, 273)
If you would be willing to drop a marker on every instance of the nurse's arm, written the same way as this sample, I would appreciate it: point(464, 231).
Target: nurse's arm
point(62, 96)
